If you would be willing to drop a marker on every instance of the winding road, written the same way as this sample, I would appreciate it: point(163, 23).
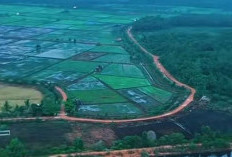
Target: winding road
point(162, 69)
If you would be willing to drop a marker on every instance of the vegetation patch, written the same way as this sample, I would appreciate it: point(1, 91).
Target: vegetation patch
point(115, 58)
point(123, 70)
point(109, 49)
point(196, 49)
point(159, 94)
point(118, 110)
point(87, 56)
point(17, 95)
point(77, 66)
point(97, 96)
point(143, 101)
point(88, 83)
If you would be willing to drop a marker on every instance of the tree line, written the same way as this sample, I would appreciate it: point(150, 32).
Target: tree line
point(198, 56)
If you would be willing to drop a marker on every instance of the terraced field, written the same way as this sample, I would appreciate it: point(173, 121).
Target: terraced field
point(65, 46)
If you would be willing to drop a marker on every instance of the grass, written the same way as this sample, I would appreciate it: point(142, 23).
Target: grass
point(122, 82)
point(159, 94)
point(97, 96)
point(18, 94)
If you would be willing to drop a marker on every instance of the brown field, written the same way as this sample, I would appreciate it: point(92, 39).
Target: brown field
point(18, 94)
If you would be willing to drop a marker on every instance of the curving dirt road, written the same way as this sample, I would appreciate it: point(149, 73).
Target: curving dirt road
point(63, 115)
point(162, 69)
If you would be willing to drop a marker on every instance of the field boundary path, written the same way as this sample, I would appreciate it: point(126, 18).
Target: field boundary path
point(161, 68)
point(150, 150)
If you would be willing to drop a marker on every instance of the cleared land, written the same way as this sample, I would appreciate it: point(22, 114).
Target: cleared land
point(18, 94)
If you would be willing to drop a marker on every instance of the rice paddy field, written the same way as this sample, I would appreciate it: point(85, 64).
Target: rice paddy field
point(65, 46)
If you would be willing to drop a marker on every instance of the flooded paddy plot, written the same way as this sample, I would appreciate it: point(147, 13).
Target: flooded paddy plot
point(15, 50)
point(54, 76)
point(77, 66)
point(64, 50)
point(112, 110)
point(4, 29)
point(34, 22)
point(20, 66)
point(6, 41)
point(87, 56)
point(88, 83)
point(145, 102)
point(114, 58)
point(33, 43)
point(22, 9)
point(109, 49)
point(25, 33)
point(91, 36)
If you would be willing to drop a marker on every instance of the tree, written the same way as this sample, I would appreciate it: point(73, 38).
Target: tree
point(36, 110)
point(173, 139)
point(128, 142)
point(99, 146)
point(6, 106)
point(69, 106)
point(3, 153)
point(78, 144)
point(16, 148)
point(27, 103)
point(49, 107)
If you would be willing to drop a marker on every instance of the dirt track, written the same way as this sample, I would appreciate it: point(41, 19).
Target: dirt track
point(63, 115)
point(164, 71)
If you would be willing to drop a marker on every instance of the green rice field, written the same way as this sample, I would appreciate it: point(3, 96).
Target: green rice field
point(67, 46)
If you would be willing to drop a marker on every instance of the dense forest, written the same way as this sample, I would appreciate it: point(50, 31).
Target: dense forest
point(196, 49)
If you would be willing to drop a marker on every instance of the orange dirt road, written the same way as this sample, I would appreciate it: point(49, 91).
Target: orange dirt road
point(130, 152)
point(162, 69)
point(63, 115)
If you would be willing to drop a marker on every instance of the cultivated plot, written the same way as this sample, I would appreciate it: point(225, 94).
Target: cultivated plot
point(17, 95)
point(77, 49)
point(97, 96)
point(117, 82)
point(118, 110)
point(123, 70)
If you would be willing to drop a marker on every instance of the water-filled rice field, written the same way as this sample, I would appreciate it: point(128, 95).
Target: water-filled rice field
point(67, 46)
